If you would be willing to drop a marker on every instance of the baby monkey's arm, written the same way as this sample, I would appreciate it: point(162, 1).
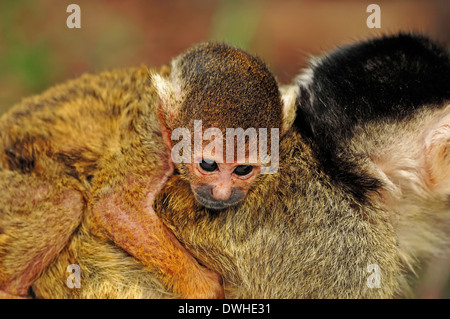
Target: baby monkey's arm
point(125, 211)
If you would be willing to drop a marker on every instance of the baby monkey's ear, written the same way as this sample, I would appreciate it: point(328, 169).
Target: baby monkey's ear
point(289, 94)
point(169, 98)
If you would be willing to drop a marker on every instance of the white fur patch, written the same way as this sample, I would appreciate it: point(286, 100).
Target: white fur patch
point(163, 87)
point(170, 90)
point(176, 80)
point(289, 95)
point(305, 78)
point(416, 193)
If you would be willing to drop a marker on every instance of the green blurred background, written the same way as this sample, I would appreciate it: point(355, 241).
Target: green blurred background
point(38, 50)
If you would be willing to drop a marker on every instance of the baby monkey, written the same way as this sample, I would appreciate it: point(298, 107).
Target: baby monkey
point(100, 148)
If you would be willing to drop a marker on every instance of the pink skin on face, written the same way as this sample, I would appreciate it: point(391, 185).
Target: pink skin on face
point(224, 178)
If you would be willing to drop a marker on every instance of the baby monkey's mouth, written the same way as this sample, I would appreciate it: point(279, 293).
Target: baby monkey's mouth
point(210, 203)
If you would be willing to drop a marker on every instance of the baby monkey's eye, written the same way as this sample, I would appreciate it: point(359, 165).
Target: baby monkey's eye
point(208, 165)
point(243, 170)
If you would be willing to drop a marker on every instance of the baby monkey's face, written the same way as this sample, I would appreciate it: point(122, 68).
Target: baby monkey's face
point(218, 185)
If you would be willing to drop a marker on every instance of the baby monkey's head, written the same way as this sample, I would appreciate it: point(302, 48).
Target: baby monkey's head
point(220, 105)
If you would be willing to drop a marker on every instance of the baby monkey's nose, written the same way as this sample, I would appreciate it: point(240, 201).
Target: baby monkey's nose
point(221, 192)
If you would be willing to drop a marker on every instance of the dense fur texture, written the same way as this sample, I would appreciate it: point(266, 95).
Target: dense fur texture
point(52, 148)
point(242, 86)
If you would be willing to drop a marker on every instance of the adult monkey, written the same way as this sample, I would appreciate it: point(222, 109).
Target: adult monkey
point(324, 221)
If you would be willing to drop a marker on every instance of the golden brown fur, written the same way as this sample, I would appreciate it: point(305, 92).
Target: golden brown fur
point(51, 146)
